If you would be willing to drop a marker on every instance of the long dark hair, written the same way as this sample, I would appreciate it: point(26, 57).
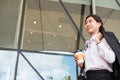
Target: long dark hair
point(97, 19)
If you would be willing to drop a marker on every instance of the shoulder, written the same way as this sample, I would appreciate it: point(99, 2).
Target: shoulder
point(110, 37)
point(109, 34)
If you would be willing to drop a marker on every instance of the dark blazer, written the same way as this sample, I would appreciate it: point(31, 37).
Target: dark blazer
point(115, 46)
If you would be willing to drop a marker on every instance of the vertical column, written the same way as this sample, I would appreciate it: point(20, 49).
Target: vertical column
point(93, 7)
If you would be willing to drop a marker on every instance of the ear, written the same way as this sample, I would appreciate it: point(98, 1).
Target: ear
point(99, 24)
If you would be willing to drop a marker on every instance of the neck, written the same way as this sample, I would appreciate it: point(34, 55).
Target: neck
point(94, 33)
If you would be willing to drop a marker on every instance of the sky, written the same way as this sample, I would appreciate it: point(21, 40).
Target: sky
point(55, 66)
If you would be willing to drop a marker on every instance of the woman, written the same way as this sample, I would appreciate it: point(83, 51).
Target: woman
point(98, 56)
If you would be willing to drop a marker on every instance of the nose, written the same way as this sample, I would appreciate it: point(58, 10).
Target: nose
point(87, 24)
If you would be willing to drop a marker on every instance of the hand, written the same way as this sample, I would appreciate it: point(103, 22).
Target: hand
point(80, 65)
point(98, 37)
point(77, 59)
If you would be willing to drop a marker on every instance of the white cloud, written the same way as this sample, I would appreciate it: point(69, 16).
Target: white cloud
point(57, 74)
point(47, 65)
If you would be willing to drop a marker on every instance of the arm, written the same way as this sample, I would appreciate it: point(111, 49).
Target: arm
point(106, 52)
point(104, 49)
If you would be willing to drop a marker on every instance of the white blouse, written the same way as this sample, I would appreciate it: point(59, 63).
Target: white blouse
point(98, 56)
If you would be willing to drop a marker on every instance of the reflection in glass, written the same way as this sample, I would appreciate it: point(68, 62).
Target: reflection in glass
point(7, 65)
point(50, 67)
point(9, 23)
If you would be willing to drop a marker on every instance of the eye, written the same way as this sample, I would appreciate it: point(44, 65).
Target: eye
point(90, 21)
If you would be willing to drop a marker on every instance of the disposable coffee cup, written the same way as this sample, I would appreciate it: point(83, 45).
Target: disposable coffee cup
point(80, 57)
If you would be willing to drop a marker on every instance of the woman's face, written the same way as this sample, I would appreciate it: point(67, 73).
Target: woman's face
point(91, 26)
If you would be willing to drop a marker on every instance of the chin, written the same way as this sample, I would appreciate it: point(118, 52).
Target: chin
point(89, 31)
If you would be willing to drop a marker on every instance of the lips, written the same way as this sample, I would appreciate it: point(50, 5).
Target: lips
point(88, 27)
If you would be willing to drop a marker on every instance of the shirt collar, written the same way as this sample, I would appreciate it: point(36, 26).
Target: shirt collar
point(88, 42)
point(93, 37)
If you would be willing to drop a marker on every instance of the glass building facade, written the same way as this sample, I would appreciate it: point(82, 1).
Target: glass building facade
point(38, 38)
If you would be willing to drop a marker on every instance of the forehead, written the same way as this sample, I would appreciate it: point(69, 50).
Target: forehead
point(90, 18)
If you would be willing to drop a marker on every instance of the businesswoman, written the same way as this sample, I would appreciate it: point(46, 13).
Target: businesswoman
point(98, 57)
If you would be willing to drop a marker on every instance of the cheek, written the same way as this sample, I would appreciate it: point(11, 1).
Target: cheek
point(97, 28)
point(89, 29)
